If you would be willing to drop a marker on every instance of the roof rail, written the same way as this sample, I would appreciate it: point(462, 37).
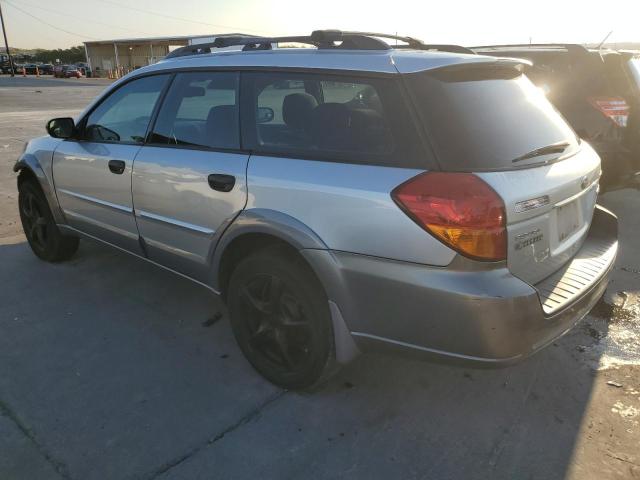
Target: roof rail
point(322, 39)
point(319, 38)
point(415, 43)
point(570, 47)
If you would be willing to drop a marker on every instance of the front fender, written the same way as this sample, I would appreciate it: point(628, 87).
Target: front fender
point(29, 161)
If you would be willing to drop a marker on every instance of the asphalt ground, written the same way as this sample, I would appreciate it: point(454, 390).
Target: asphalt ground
point(111, 368)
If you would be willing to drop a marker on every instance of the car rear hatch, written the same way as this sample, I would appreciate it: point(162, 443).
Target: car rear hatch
point(489, 119)
point(632, 134)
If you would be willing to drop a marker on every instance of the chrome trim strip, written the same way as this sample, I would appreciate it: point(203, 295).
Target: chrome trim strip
point(105, 226)
point(173, 221)
point(104, 203)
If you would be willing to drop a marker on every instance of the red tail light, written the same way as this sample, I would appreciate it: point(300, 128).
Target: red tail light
point(460, 210)
point(614, 108)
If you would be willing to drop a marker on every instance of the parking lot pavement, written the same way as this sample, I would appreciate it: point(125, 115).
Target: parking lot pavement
point(110, 368)
point(26, 103)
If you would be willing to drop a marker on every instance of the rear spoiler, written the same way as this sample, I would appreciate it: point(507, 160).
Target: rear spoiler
point(519, 64)
point(573, 48)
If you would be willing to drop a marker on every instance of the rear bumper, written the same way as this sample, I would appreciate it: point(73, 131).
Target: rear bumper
point(466, 312)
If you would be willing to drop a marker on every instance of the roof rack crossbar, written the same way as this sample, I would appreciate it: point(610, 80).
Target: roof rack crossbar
point(319, 38)
point(416, 43)
point(323, 39)
point(409, 40)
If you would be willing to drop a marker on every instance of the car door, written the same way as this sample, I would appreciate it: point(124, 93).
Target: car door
point(189, 180)
point(92, 173)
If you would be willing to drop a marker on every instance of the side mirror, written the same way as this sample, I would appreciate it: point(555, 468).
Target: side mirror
point(61, 127)
point(264, 115)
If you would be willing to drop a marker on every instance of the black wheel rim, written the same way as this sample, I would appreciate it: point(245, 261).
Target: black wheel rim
point(34, 222)
point(277, 327)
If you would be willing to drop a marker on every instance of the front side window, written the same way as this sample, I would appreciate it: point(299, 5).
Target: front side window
point(326, 116)
point(200, 110)
point(125, 114)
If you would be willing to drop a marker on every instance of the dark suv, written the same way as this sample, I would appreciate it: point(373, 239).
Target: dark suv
point(598, 92)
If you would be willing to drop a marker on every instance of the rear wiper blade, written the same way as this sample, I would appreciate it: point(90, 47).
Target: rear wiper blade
point(548, 150)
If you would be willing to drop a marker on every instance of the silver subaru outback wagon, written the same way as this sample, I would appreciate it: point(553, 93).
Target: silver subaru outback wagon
point(344, 198)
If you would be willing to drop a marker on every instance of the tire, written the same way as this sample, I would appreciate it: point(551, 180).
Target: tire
point(43, 235)
point(280, 317)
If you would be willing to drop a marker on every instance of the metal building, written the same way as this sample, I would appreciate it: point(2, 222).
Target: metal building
point(117, 57)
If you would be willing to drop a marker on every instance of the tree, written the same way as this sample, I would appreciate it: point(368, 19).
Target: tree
point(67, 55)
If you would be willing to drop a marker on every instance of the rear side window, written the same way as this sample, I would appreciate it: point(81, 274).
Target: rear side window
point(200, 110)
point(486, 117)
point(360, 120)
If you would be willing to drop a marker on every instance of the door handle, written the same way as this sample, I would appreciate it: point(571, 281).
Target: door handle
point(221, 183)
point(117, 166)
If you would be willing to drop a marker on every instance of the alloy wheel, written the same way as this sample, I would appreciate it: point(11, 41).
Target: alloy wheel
point(35, 222)
point(278, 329)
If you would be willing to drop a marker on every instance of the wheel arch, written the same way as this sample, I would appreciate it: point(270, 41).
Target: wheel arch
point(255, 229)
point(28, 167)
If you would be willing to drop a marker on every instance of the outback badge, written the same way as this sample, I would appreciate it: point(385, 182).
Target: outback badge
point(529, 238)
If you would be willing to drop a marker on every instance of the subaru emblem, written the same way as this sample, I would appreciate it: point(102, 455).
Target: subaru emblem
point(584, 182)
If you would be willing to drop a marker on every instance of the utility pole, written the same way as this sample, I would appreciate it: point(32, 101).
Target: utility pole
point(6, 42)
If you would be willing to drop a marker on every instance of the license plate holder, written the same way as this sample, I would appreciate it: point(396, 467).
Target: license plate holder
point(568, 218)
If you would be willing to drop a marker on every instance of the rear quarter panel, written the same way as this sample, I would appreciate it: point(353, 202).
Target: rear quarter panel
point(349, 206)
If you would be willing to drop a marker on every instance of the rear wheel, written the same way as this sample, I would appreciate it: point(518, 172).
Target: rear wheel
point(280, 317)
point(43, 235)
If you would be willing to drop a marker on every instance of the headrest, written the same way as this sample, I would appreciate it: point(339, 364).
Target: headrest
point(330, 126)
point(222, 127)
point(297, 108)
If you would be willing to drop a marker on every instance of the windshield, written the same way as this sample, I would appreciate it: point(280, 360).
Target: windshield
point(634, 66)
point(485, 117)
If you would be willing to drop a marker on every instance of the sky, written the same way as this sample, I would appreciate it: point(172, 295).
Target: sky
point(64, 23)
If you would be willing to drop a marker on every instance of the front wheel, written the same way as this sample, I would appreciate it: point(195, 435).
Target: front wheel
point(280, 317)
point(43, 235)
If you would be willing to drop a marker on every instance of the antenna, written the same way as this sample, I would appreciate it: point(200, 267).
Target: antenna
point(604, 40)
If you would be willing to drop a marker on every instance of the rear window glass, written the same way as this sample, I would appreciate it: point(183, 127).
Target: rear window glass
point(618, 79)
point(634, 66)
point(485, 117)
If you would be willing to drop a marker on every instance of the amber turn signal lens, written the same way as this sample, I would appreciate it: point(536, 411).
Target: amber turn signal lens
point(460, 210)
